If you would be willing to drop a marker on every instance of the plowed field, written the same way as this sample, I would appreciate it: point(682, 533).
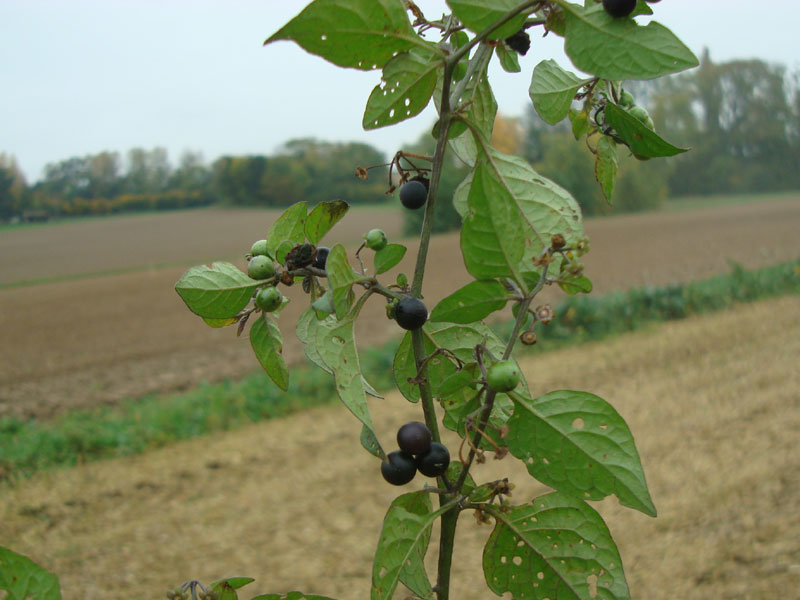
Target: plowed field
point(297, 504)
point(81, 342)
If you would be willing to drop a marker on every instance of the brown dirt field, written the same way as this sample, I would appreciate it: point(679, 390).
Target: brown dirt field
point(297, 504)
point(84, 342)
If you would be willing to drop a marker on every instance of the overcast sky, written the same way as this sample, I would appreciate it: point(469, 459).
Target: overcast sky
point(82, 76)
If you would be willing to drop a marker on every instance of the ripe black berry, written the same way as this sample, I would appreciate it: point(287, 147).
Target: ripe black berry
point(619, 8)
point(413, 194)
point(414, 438)
point(321, 257)
point(410, 313)
point(400, 469)
point(520, 41)
point(434, 462)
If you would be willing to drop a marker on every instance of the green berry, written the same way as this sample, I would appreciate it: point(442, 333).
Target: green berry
point(503, 376)
point(375, 239)
point(626, 98)
point(642, 115)
point(259, 248)
point(269, 298)
point(260, 267)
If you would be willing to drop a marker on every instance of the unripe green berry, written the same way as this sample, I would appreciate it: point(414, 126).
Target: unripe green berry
point(375, 239)
point(259, 248)
point(503, 376)
point(261, 267)
point(642, 115)
point(269, 298)
point(626, 98)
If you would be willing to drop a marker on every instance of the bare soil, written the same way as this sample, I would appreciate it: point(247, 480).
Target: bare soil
point(295, 503)
point(85, 342)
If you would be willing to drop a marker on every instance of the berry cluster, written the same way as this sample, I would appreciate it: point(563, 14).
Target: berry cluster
point(417, 453)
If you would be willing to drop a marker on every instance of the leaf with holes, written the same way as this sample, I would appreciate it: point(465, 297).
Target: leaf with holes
point(407, 84)
point(539, 208)
point(267, 343)
point(362, 34)
point(307, 334)
point(576, 442)
point(287, 231)
point(22, 578)
point(615, 49)
point(216, 292)
point(473, 302)
point(478, 15)
point(341, 278)
point(322, 218)
point(403, 543)
point(642, 140)
point(555, 547)
point(388, 257)
point(605, 165)
point(553, 89)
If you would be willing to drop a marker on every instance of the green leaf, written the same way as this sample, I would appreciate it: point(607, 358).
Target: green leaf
point(362, 34)
point(369, 441)
point(477, 15)
point(481, 112)
point(555, 547)
point(458, 339)
point(472, 302)
point(23, 579)
point(575, 285)
point(639, 138)
point(307, 334)
point(457, 381)
point(335, 346)
point(605, 165)
point(580, 123)
point(220, 323)
point(406, 88)
point(553, 89)
point(454, 472)
point(610, 48)
point(233, 582)
point(290, 596)
point(288, 230)
point(577, 443)
point(216, 292)
point(267, 343)
point(388, 257)
point(510, 216)
point(341, 278)
point(323, 217)
point(509, 59)
point(403, 543)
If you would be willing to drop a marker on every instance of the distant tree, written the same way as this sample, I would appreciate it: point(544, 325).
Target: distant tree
point(13, 187)
point(192, 174)
point(148, 171)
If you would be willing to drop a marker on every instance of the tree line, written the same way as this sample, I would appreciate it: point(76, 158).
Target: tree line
point(740, 118)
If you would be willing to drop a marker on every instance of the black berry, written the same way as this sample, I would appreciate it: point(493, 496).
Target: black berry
point(410, 313)
point(414, 438)
point(434, 462)
point(321, 257)
point(619, 8)
point(400, 468)
point(413, 194)
point(520, 41)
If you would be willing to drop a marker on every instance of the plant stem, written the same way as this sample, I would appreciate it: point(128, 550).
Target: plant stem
point(446, 544)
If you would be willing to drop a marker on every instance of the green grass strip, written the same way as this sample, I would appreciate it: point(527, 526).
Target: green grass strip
point(154, 421)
